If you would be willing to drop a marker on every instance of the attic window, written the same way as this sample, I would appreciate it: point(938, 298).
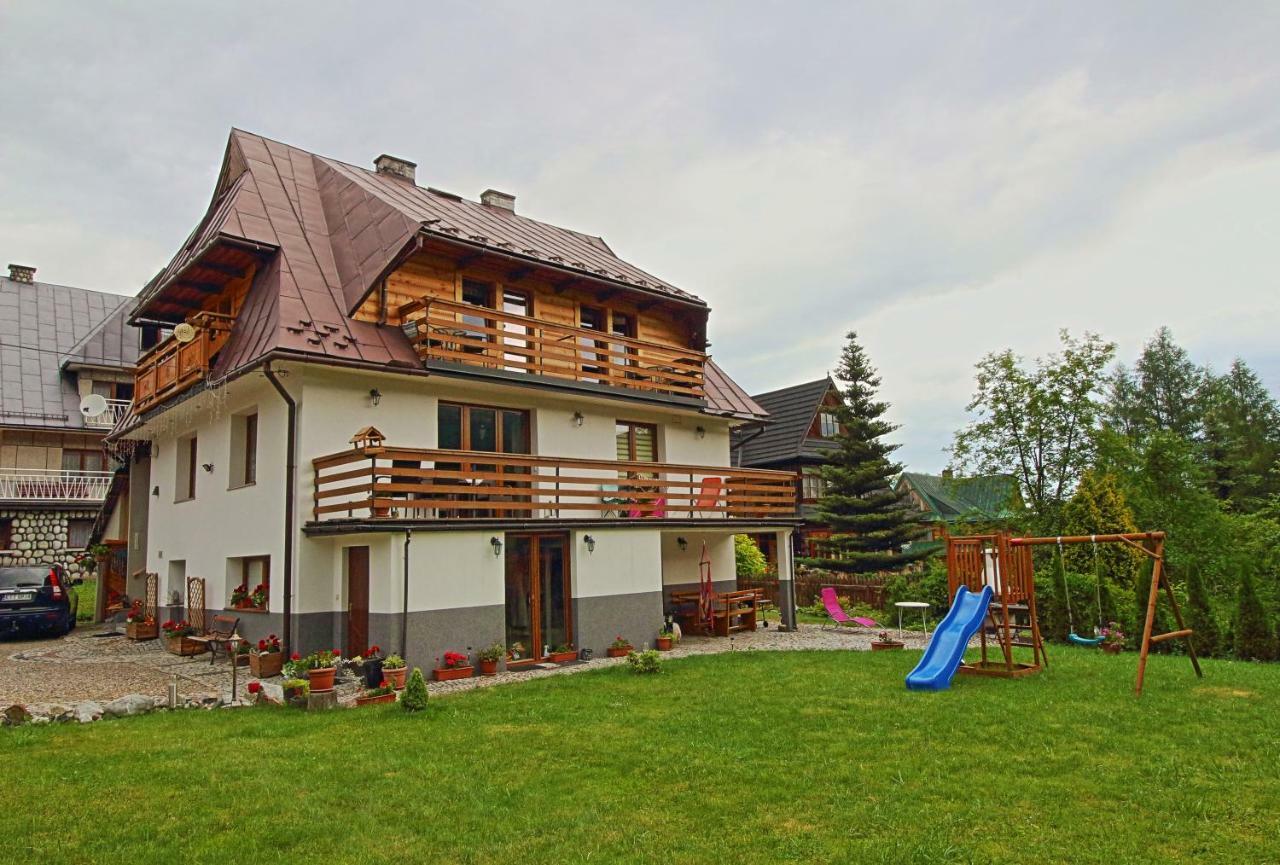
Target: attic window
point(828, 426)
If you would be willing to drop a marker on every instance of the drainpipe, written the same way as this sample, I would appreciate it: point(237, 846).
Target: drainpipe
point(404, 613)
point(290, 474)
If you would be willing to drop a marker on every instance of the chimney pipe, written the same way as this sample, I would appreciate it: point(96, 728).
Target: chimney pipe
point(948, 474)
point(494, 198)
point(22, 273)
point(394, 166)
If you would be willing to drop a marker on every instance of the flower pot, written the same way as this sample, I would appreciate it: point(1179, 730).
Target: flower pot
point(878, 646)
point(372, 669)
point(264, 665)
point(619, 653)
point(381, 698)
point(294, 693)
point(1113, 648)
point(488, 668)
point(184, 646)
point(321, 679)
point(663, 644)
point(560, 657)
point(395, 676)
point(451, 673)
point(242, 660)
point(141, 630)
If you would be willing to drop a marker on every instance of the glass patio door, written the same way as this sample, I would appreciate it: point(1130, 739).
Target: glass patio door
point(538, 611)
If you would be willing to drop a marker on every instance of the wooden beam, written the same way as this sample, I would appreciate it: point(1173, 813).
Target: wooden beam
point(518, 274)
point(206, 287)
point(219, 267)
point(1172, 635)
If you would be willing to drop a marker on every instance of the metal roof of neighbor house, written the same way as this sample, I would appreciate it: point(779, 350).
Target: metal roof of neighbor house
point(42, 326)
point(785, 438)
point(328, 230)
point(112, 344)
point(949, 498)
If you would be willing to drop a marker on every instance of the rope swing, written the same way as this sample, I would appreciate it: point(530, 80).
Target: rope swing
point(1097, 639)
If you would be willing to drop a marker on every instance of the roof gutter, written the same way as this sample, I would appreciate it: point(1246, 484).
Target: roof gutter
point(290, 474)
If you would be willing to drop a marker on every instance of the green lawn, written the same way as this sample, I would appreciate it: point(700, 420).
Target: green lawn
point(750, 757)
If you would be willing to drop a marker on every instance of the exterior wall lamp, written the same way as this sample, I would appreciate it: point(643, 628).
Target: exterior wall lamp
point(155, 491)
point(208, 467)
point(700, 432)
point(578, 418)
point(496, 543)
point(590, 542)
point(375, 395)
point(683, 543)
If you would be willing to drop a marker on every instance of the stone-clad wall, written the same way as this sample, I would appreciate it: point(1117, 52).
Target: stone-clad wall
point(40, 538)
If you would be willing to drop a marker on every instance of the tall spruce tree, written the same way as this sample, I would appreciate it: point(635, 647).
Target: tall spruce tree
point(870, 522)
point(1253, 638)
point(1200, 617)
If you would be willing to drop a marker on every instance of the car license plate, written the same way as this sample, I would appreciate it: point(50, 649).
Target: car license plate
point(20, 597)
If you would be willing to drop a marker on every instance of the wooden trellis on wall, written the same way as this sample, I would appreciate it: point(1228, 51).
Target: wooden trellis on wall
point(152, 602)
point(195, 603)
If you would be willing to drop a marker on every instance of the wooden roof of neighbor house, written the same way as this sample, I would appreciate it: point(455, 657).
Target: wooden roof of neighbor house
point(324, 233)
point(988, 497)
point(44, 327)
point(785, 438)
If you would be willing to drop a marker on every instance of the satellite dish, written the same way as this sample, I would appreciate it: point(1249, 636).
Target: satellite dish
point(184, 332)
point(93, 404)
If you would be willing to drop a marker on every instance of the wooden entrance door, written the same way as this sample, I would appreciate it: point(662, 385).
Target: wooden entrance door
point(357, 600)
point(538, 609)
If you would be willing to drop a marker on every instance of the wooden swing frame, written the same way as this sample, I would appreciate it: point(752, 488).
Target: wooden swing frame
point(1014, 581)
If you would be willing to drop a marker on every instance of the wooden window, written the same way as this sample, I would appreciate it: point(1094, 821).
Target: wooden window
point(636, 442)
point(254, 589)
point(78, 532)
point(151, 335)
point(479, 294)
point(6, 534)
point(828, 426)
point(593, 318)
point(517, 303)
point(483, 428)
point(113, 389)
point(812, 486)
point(83, 460)
point(250, 434)
point(185, 476)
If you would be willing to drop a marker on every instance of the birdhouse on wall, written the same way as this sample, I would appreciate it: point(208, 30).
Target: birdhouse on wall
point(367, 438)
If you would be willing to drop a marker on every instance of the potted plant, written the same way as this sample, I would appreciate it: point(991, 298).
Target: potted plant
point(321, 668)
point(1113, 639)
point(563, 653)
point(295, 689)
point(393, 670)
point(240, 597)
point(382, 693)
point(884, 643)
point(258, 597)
point(489, 659)
point(666, 639)
point(455, 666)
point(619, 648)
point(369, 665)
point(176, 638)
point(139, 624)
point(266, 660)
point(518, 657)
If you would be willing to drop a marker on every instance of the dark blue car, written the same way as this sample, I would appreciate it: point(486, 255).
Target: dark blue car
point(36, 599)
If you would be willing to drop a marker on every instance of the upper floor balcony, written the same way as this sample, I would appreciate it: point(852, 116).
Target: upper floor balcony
point(54, 485)
point(110, 416)
point(473, 338)
point(181, 360)
point(377, 482)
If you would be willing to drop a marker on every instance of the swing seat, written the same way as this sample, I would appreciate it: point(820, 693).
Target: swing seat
point(1085, 641)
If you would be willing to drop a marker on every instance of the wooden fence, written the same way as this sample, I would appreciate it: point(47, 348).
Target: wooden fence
point(866, 589)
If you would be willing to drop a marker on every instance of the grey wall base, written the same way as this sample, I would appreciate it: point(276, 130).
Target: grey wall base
point(636, 618)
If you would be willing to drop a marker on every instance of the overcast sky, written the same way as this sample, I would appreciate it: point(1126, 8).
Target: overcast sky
point(948, 179)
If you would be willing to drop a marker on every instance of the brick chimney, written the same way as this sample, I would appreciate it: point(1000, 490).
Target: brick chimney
point(494, 198)
point(948, 474)
point(394, 166)
point(22, 273)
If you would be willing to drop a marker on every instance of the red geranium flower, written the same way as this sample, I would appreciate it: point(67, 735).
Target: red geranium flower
point(295, 657)
point(382, 684)
point(255, 687)
point(262, 645)
point(373, 650)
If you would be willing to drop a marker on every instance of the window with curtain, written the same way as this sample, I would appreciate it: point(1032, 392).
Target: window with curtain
point(637, 442)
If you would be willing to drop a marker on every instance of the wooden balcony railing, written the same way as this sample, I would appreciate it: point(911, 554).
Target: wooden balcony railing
point(53, 485)
point(385, 482)
point(476, 336)
point(172, 366)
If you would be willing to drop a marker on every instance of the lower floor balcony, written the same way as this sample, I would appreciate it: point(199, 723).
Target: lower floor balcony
point(53, 485)
point(387, 483)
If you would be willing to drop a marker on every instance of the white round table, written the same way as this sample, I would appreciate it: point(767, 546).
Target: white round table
point(913, 605)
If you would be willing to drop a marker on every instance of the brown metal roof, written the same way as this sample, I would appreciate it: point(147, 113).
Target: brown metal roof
point(328, 230)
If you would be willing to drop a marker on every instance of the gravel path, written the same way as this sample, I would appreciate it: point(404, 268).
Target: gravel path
point(86, 665)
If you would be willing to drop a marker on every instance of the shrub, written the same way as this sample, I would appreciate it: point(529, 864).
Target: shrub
point(648, 661)
point(1252, 630)
point(414, 698)
point(1200, 617)
point(751, 563)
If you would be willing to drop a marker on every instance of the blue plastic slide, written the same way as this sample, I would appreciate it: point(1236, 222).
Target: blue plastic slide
point(946, 649)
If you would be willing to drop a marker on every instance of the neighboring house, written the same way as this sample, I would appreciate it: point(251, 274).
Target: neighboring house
point(947, 501)
point(796, 439)
point(428, 423)
point(58, 345)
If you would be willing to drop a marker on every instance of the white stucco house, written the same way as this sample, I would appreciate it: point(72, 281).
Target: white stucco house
point(409, 419)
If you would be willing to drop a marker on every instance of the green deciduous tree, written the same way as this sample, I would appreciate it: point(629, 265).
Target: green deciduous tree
point(1037, 422)
point(751, 563)
point(870, 522)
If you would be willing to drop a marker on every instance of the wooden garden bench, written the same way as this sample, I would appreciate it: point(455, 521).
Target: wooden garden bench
point(218, 638)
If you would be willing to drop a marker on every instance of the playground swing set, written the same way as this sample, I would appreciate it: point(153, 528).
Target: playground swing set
point(991, 581)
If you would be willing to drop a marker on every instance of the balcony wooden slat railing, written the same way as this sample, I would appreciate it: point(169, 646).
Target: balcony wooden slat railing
point(172, 366)
point(53, 485)
point(382, 482)
point(477, 336)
